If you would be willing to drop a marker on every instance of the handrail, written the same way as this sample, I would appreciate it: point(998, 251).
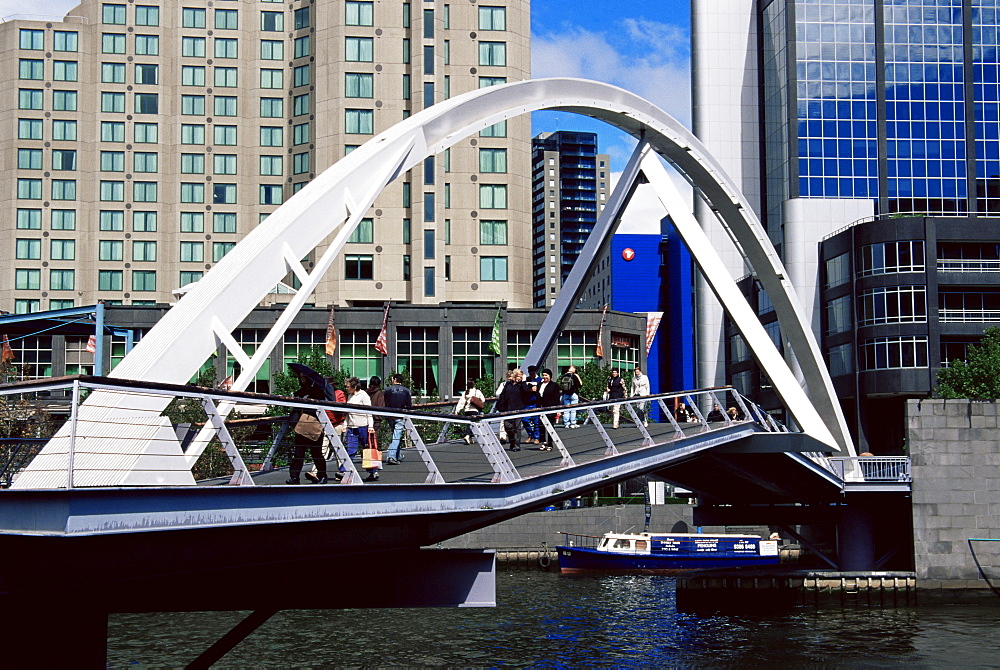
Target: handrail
point(896, 215)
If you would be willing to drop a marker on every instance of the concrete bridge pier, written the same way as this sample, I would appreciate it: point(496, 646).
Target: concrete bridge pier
point(856, 537)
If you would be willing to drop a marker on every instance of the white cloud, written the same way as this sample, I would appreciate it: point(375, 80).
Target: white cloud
point(647, 58)
point(36, 9)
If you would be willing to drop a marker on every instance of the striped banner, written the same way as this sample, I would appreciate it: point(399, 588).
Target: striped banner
point(652, 324)
point(331, 335)
point(381, 344)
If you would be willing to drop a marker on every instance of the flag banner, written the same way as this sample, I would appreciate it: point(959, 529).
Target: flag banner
point(227, 383)
point(8, 355)
point(652, 324)
point(600, 334)
point(331, 335)
point(92, 344)
point(495, 337)
point(380, 343)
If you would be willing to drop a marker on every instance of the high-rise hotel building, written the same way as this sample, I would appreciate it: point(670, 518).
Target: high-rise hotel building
point(144, 139)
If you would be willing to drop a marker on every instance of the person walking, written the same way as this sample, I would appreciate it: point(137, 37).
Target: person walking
point(531, 423)
point(512, 398)
point(549, 395)
point(616, 391)
point(640, 387)
point(359, 424)
point(470, 403)
point(570, 384)
point(396, 396)
point(308, 434)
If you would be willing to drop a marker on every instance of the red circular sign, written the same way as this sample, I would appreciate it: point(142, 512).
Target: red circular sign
point(628, 254)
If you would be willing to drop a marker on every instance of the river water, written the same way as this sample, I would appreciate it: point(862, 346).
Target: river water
point(545, 619)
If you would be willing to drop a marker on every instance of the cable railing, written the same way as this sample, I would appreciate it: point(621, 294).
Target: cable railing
point(115, 432)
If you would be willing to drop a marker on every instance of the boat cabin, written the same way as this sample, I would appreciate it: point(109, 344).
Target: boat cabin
point(625, 543)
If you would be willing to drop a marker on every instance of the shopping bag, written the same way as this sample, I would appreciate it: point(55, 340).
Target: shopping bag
point(309, 427)
point(371, 457)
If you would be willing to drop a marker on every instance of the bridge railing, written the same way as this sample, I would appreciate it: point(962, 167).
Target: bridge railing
point(872, 468)
point(203, 433)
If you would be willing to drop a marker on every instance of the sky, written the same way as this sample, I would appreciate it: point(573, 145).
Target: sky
point(639, 45)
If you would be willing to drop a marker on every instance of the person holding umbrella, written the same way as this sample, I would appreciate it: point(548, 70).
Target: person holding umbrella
point(308, 429)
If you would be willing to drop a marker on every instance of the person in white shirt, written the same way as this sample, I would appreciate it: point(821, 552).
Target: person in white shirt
point(467, 405)
point(640, 387)
point(359, 424)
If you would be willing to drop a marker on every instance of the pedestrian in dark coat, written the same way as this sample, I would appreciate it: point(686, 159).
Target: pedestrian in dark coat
point(549, 395)
point(513, 398)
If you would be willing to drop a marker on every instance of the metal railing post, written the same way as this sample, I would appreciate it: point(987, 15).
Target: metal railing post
point(71, 457)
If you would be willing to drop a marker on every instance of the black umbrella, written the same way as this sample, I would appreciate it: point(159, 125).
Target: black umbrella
point(309, 376)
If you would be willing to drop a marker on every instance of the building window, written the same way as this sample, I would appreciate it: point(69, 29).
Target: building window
point(492, 232)
point(493, 53)
point(192, 133)
point(112, 220)
point(271, 78)
point(359, 121)
point(63, 250)
point(29, 129)
point(147, 45)
point(146, 133)
point(29, 98)
point(28, 280)
point(272, 22)
point(272, 50)
point(110, 250)
point(492, 196)
point(223, 194)
point(64, 189)
point(147, 15)
point(224, 164)
point(30, 68)
point(113, 102)
point(29, 219)
point(192, 17)
point(64, 130)
point(364, 233)
point(270, 194)
point(113, 14)
point(64, 101)
point(300, 18)
point(144, 191)
point(28, 250)
point(113, 73)
point(893, 304)
point(63, 219)
point(486, 82)
point(62, 159)
point(301, 75)
point(226, 77)
point(193, 163)
point(225, 105)
point(144, 280)
point(887, 353)
point(32, 39)
point(300, 104)
point(472, 357)
point(356, 348)
point(62, 280)
point(220, 249)
point(301, 47)
point(192, 222)
point(64, 40)
point(113, 43)
point(192, 192)
point(30, 159)
point(891, 257)
point(192, 252)
point(838, 315)
point(193, 105)
point(193, 47)
point(226, 47)
point(144, 251)
point(356, 49)
point(109, 280)
point(224, 222)
point(147, 103)
point(493, 160)
point(112, 131)
point(226, 19)
point(493, 268)
point(190, 276)
point(144, 222)
point(358, 13)
point(65, 70)
point(300, 134)
point(575, 348)
point(359, 266)
point(271, 108)
point(29, 189)
point(492, 18)
point(498, 129)
point(417, 353)
point(271, 136)
point(192, 75)
point(225, 135)
point(429, 280)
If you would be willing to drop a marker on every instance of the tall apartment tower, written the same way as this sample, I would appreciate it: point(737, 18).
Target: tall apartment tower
point(876, 117)
point(196, 120)
point(569, 188)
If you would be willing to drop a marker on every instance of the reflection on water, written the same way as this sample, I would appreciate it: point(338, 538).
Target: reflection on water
point(547, 619)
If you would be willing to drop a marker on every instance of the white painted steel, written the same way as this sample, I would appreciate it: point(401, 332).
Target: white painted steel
point(333, 203)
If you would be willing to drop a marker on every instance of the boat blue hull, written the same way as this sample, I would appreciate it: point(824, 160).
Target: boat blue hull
point(582, 559)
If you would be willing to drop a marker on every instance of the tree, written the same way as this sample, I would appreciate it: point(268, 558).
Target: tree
point(978, 377)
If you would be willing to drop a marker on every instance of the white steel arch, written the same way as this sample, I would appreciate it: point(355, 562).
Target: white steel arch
point(333, 204)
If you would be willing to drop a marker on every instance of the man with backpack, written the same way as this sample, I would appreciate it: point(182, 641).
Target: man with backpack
point(397, 396)
point(570, 384)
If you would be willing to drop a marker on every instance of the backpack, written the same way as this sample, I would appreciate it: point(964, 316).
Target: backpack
point(567, 383)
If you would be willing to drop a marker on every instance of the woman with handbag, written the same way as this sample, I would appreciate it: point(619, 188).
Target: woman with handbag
point(359, 425)
point(308, 434)
point(470, 403)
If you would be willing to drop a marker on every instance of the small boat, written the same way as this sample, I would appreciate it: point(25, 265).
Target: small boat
point(663, 552)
